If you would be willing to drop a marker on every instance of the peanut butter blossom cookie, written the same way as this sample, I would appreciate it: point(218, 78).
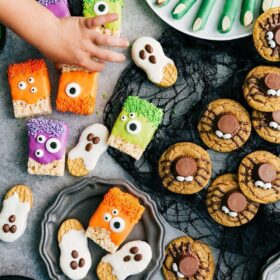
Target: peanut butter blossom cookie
point(185, 168)
point(258, 177)
point(266, 34)
point(225, 126)
point(227, 205)
point(261, 88)
point(188, 259)
point(267, 125)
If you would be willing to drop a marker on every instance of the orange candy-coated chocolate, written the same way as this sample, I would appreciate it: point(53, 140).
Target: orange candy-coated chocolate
point(29, 81)
point(77, 92)
point(118, 213)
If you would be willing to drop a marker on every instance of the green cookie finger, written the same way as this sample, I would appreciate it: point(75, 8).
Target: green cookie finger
point(181, 8)
point(203, 14)
point(162, 3)
point(266, 4)
point(247, 12)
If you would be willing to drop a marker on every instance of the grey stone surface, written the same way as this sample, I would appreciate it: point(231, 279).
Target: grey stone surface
point(22, 257)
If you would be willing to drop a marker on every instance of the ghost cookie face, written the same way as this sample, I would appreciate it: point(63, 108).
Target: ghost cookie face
point(185, 168)
point(92, 144)
point(188, 259)
point(47, 144)
point(14, 214)
point(131, 259)
point(75, 259)
point(225, 126)
point(227, 205)
point(258, 177)
point(59, 8)
point(147, 53)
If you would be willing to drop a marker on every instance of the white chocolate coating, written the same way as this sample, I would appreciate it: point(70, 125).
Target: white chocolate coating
point(74, 240)
point(122, 269)
point(13, 206)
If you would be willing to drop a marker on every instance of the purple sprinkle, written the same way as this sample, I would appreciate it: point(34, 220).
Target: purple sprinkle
point(49, 2)
point(51, 127)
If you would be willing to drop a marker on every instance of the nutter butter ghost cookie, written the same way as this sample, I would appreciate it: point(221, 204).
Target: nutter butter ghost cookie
point(131, 259)
point(75, 259)
point(30, 88)
point(225, 126)
point(266, 34)
point(60, 8)
point(47, 144)
point(14, 214)
point(261, 88)
point(258, 177)
point(135, 126)
point(186, 258)
point(114, 219)
point(77, 91)
point(227, 205)
point(92, 8)
point(92, 144)
point(185, 168)
point(147, 53)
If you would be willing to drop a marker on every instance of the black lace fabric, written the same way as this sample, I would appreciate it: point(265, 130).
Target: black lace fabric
point(207, 71)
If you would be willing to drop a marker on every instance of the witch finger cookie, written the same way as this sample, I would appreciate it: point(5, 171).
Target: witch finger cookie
point(261, 88)
point(225, 126)
point(259, 176)
point(185, 168)
point(75, 259)
point(14, 214)
point(188, 259)
point(227, 205)
point(147, 53)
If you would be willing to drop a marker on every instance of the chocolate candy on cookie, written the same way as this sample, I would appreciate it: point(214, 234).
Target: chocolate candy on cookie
point(261, 88)
point(185, 168)
point(227, 205)
point(131, 259)
point(14, 213)
point(147, 53)
point(60, 8)
point(258, 177)
point(47, 141)
point(30, 88)
point(225, 125)
point(186, 258)
point(75, 259)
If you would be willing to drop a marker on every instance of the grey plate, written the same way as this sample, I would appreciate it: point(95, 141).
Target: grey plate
point(80, 201)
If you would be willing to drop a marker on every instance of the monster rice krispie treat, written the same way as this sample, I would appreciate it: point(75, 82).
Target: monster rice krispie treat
point(135, 126)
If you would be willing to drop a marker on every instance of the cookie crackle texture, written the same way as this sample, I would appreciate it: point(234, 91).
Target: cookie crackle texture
point(206, 72)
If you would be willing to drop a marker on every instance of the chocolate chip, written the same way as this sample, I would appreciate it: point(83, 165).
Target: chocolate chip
point(188, 266)
point(75, 254)
point(13, 229)
point(277, 36)
point(236, 201)
point(90, 137)
point(185, 167)
point(134, 250)
point(6, 228)
point(127, 258)
point(12, 219)
point(149, 48)
point(74, 265)
point(82, 262)
point(88, 147)
point(138, 257)
point(275, 116)
point(267, 172)
point(142, 54)
point(96, 140)
point(272, 80)
point(153, 59)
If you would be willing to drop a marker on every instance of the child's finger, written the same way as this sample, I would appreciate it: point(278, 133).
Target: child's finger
point(99, 20)
point(108, 55)
point(110, 41)
point(92, 65)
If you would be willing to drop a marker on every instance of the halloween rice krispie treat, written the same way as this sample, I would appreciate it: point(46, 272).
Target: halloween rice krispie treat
point(47, 141)
point(30, 88)
point(135, 126)
point(77, 91)
point(60, 8)
point(114, 219)
point(92, 8)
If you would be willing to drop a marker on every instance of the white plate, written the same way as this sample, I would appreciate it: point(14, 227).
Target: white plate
point(210, 31)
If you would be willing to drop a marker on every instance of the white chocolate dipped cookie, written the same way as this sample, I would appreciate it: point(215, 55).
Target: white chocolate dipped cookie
point(14, 214)
point(131, 259)
point(92, 144)
point(147, 53)
point(75, 258)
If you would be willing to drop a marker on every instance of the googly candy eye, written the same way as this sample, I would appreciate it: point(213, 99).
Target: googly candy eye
point(269, 35)
point(101, 8)
point(132, 115)
point(272, 44)
point(271, 92)
point(41, 139)
point(53, 145)
point(31, 80)
point(123, 118)
point(39, 153)
point(22, 85)
point(33, 89)
point(117, 224)
point(115, 212)
point(134, 127)
point(107, 217)
point(73, 90)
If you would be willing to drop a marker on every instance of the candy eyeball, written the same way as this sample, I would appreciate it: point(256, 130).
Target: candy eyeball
point(33, 89)
point(101, 8)
point(124, 118)
point(269, 35)
point(31, 80)
point(22, 85)
point(115, 212)
point(39, 153)
point(41, 139)
point(73, 90)
point(132, 115)
point(133, 127)
point(271, 92)
point(117, 224)
point(273, 125)
point(272, 44)
point(107, 217)
point(53, 145)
